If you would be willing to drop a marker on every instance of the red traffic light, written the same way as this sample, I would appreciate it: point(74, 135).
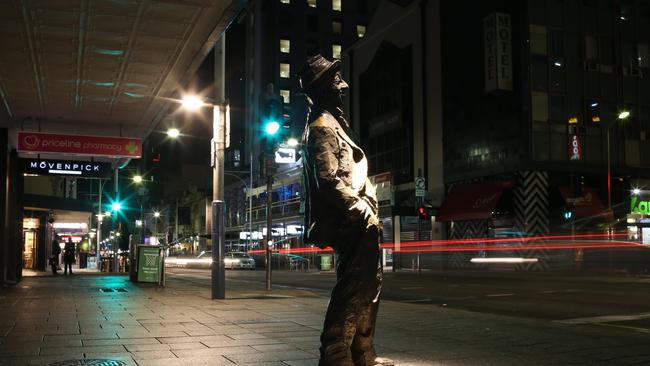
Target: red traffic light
point(422, 211)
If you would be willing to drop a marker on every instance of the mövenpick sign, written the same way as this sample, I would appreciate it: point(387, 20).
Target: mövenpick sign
point(36, 142)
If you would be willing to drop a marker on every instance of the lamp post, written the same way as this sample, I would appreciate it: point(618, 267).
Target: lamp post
point(220, 118)
point(621, 116)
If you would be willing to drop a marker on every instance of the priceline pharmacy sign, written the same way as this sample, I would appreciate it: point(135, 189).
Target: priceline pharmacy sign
point(66, 168)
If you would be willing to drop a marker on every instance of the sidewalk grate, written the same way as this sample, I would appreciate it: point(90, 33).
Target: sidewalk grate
point(108, 289)
point(88, 362)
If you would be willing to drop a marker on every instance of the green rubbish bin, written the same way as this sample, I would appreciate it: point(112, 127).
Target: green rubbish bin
point(326, 262)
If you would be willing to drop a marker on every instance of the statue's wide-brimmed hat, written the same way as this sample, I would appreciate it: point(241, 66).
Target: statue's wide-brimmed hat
point(315, 70)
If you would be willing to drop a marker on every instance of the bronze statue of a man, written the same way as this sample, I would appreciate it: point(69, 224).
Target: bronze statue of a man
point(341, 212)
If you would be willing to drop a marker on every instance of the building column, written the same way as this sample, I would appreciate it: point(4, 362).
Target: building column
point(14, 220)
point(531, 209)
point(3, 204)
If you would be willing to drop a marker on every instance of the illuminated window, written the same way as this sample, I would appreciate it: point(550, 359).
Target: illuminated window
point(361, 30)
point(285, 70)
point(336, 5)
point(336, 27)
point(311, 3)
point(286, 95)
point(336, 51)
point(285, 1)
point(285, 46)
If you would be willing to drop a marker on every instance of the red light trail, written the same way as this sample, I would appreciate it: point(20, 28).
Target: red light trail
point(470, 245)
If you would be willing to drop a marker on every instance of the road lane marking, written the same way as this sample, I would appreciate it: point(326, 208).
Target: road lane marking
point(636, 329)
point(499, 295)
point(418, 300)
point(604, 319)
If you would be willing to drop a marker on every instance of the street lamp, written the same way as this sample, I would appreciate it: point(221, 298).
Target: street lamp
point(220, 118)
point(156, 214)
point(621, 116)
point(137, 179)
point(173, 132)
point(292, 142)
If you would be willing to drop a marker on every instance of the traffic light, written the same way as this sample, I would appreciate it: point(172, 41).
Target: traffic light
point(568, 214)
point(422, 212)
point(271, 128)
point(116, 206)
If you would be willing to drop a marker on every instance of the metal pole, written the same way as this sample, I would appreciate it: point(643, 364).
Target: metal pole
point(218, 234)
point(99, 226)
point(609, 175)
point(269, 228)
point(250, 204)
point(116, 189)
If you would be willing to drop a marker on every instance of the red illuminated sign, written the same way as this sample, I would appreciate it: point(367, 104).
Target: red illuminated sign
point(36, 142)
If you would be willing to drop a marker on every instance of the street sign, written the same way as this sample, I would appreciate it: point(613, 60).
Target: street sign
point(36, 142)
point(148, 264)
point(420, 184)
point(285, 155)
point(66, 168)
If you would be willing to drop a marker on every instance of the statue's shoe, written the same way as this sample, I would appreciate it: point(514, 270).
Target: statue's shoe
point(383, 361)
point(378, 361)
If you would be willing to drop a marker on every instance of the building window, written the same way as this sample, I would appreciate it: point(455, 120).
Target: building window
point(285, 1)
point(312, 23)
point(336, 5)
point(540, 106)
point(361, 30)
point(285, 70)
point(643, 55)
point(312, 47)
point(285, 46)
point(311, 3)
point(286, 95)
point(336, 51)
point(591, 48)
point(538, 39)
point(336, 27)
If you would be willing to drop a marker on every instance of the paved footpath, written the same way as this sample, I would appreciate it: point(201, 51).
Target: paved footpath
point(76, 319)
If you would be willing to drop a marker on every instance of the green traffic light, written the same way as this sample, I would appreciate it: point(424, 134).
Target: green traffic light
point(271, 128)
point(116, 206)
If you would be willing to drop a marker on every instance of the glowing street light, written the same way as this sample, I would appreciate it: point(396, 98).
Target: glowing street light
point(292, 142)
point(173, 132)
point(156, 214)
point(636, 191)
point(623, 114)
point(192, 103)
point(137, 179)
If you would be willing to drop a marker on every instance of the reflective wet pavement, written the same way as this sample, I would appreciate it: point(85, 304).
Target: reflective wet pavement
point(107, 320)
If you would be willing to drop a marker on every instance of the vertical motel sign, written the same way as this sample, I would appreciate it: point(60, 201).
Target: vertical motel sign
point(497, 42)
point(575, 148)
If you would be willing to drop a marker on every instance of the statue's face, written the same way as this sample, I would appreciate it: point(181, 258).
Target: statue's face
point(339, 85)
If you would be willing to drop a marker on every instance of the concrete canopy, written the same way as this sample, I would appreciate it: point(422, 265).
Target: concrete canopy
point(101, 67)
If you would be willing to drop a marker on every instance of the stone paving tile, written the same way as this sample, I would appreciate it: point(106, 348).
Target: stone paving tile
point(119, 341)
point(270, 356)
point(226, 351)
point(193, 361)
point(151, 355)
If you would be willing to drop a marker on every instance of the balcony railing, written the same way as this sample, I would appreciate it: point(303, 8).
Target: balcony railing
point(280, 209)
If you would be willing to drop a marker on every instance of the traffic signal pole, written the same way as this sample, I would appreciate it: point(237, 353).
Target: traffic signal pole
point(269, 227)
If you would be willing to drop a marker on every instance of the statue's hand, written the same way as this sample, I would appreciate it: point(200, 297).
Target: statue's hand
point(361, 210)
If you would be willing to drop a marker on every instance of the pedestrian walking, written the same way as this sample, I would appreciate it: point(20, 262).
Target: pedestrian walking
point(341, 211)
point(68, 256)
point(54, 258)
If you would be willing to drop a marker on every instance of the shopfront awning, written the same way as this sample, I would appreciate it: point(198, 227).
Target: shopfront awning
point(472, 201)
point(585, 204)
